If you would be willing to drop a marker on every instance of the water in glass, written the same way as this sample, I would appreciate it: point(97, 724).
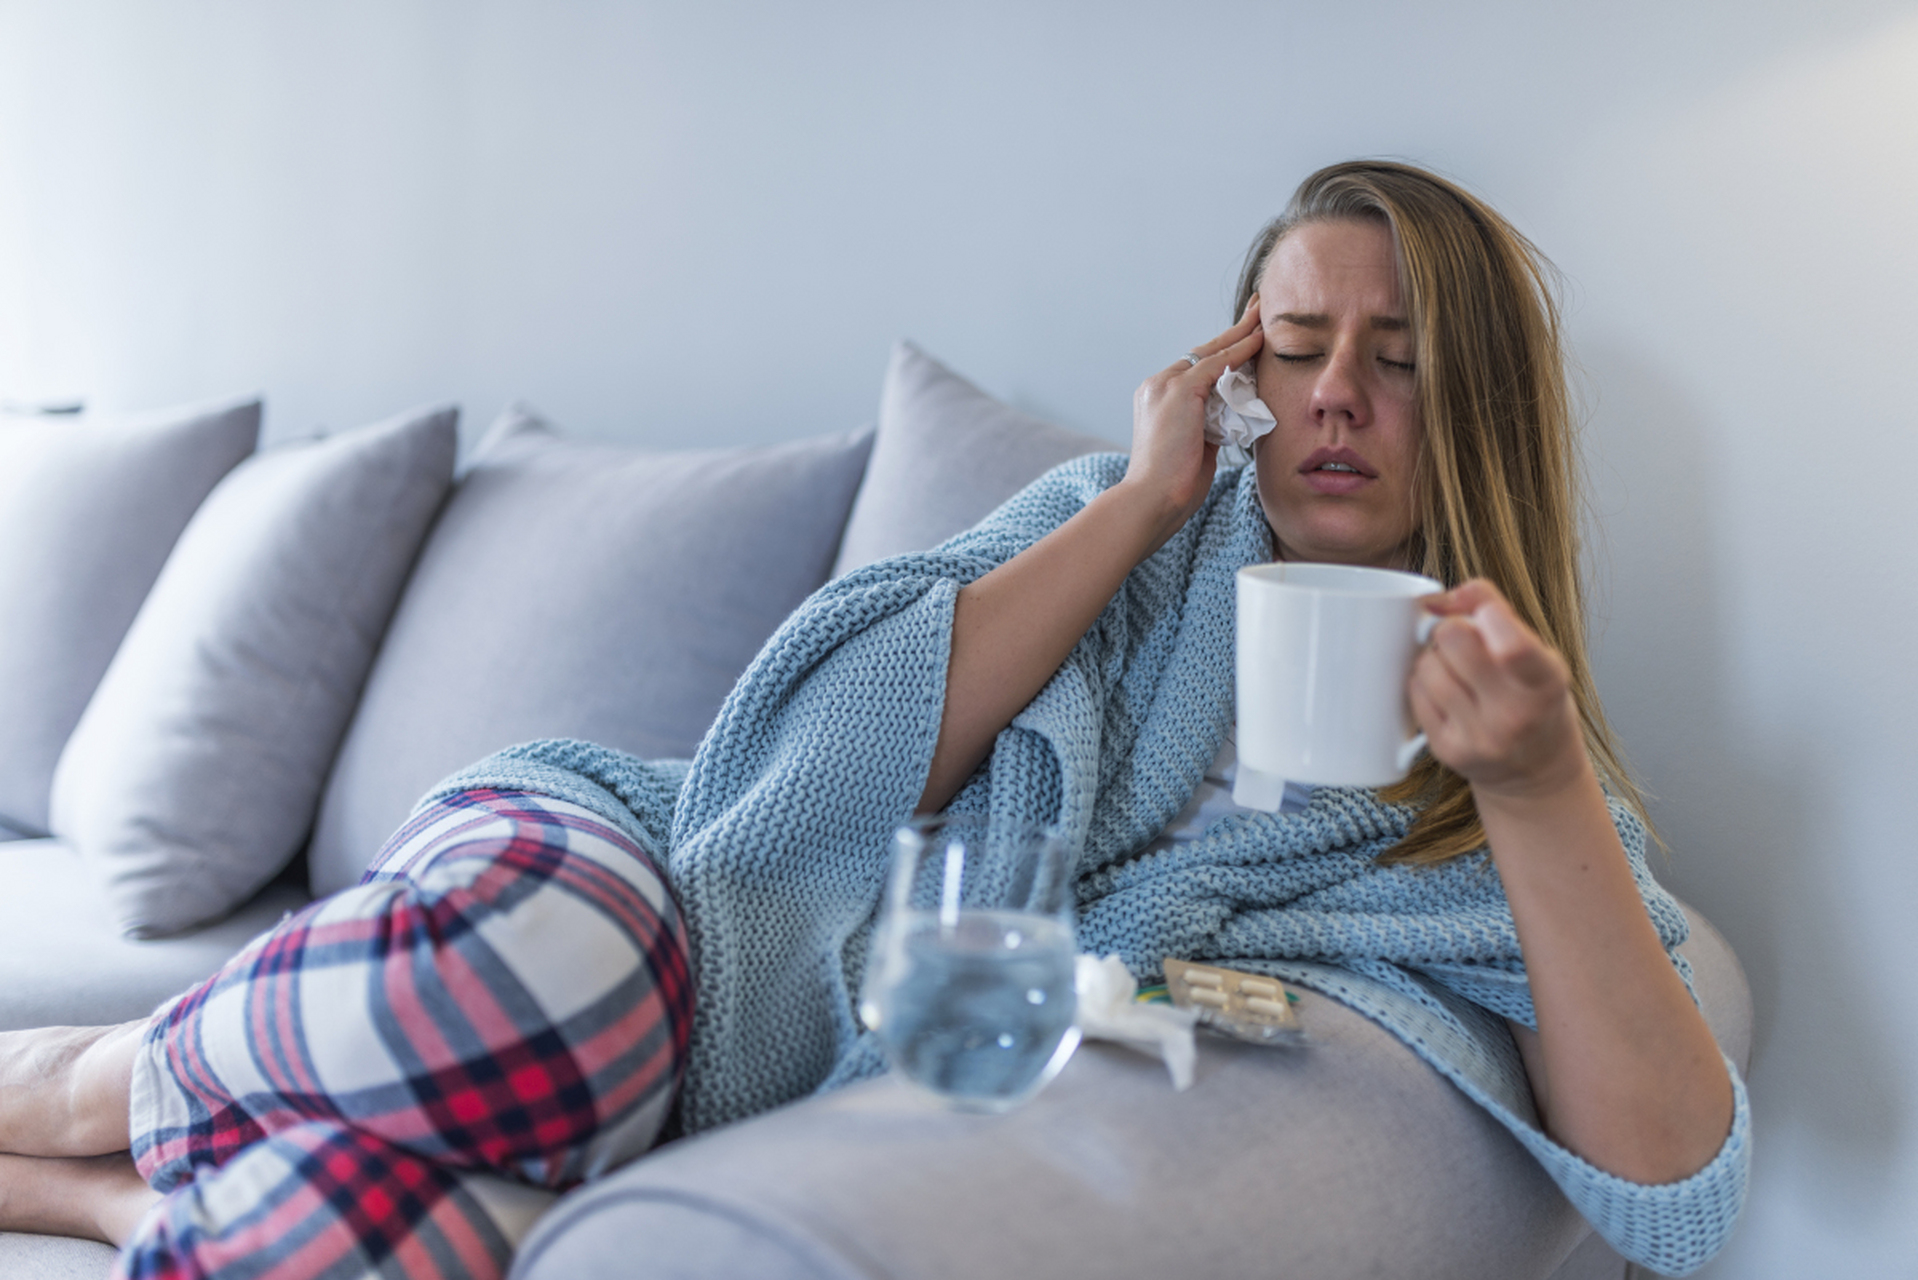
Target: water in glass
point(983, 1005)
point(970, 981)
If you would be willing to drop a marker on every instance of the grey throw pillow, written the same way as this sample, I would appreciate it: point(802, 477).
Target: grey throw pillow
point(89, 508)
point(580, 590)
point(193, 775)
point(946, 454)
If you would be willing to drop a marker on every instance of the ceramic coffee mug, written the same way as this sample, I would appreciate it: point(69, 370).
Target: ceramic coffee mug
point(1324, 652)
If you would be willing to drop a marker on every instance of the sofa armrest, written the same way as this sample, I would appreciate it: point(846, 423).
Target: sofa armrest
point(1723, 992)
point(1348, 1158)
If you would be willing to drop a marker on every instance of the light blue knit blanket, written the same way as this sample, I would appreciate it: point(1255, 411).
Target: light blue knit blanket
point(776, 839)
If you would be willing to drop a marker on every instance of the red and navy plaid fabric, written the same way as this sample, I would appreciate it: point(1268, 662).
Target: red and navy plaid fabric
point(505, 993)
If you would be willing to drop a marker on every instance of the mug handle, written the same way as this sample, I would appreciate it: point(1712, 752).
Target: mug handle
point(1409, 749)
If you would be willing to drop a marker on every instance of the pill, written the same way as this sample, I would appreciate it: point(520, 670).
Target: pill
point(1270, 1008)
point(1200, 978)
point(1216, 999)
point(1259, 987)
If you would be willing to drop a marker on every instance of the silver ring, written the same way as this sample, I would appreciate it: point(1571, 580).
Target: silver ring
point(1193, 357)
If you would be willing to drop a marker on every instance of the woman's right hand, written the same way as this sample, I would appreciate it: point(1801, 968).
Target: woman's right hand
point(1012, 627)
point(1171, 459)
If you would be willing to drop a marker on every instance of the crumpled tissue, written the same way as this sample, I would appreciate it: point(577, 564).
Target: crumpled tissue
point(1235, 416)
point(1108, 1011)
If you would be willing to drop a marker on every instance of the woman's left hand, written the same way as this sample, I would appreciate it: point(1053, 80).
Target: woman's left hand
point(1495, 701)
point(1623, 1067)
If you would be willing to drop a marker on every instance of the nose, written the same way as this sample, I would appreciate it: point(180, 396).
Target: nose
point(1338, 396)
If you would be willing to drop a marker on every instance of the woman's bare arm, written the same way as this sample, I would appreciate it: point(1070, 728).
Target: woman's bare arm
point(1626, 1071)
point(1013, 627)
point(1631, 1077)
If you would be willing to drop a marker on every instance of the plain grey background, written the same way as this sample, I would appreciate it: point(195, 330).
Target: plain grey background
point(705, 224)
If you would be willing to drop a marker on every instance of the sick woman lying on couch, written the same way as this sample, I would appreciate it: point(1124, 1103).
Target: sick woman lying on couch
point(567, 950)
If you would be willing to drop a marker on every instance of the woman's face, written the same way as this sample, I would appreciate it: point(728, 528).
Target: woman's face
point(1336, 474)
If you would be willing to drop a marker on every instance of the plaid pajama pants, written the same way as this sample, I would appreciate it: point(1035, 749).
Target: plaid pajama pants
point(379, 1085)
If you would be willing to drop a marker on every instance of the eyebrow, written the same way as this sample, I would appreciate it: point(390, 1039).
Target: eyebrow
point(1319, 320)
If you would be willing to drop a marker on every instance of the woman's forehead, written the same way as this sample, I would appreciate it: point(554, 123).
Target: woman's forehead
point(1323, 268)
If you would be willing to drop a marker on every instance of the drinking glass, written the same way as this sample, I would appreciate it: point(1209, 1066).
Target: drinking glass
point(970, 985)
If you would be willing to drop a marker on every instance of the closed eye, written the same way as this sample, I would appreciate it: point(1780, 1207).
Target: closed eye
point(1291, 358)
point(1403, 366)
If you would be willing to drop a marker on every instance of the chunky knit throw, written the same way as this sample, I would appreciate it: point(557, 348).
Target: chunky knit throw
point(776, 838)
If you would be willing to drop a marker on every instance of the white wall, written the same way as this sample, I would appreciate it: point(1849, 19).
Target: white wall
point(700, 224)
point(1750, 276)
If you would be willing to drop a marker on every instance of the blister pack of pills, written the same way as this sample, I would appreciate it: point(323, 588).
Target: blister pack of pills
point(1245, 1006)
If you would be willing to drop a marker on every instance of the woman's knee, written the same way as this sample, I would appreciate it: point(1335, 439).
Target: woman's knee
point(559, 955)
point(548, 905)
point(510, 990)
point(515, 974)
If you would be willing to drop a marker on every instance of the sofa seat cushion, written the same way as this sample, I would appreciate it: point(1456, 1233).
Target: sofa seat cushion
point(65, 961)
point(29, 1257)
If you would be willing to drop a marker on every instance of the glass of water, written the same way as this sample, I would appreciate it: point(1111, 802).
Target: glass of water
point(970, 984)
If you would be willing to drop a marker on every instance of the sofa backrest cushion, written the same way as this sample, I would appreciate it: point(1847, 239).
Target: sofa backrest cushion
point(194, 773)
point(946, 454)
point(584, 590)
point(89, 508)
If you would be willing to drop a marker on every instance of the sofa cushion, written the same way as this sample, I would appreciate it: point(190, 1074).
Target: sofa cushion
point(574, 589)
point(89, 508)
point(194, 773)
point(66, 961)
point(946, 454)
point(28, 1257)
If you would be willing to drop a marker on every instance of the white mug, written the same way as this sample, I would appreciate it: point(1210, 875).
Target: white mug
point(1324, 653)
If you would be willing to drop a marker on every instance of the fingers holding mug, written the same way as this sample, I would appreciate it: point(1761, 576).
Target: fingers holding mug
point(1493, 698)
point(1476, 629)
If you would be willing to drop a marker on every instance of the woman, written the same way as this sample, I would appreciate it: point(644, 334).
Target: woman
point(1066, 660)
point(1364, 327)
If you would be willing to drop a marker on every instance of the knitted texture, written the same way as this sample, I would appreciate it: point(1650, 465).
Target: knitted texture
point(777, 841)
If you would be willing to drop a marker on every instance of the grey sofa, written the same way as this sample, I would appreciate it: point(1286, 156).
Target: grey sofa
point(563, 587)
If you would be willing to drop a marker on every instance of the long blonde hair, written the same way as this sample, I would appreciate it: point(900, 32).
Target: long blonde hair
point(1497, 485)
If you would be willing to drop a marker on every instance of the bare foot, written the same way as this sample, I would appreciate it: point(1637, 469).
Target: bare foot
point(94, 1197)
point(65, 1091)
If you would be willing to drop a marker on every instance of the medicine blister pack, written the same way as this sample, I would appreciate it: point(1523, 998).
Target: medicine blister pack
point(1245, 1006)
